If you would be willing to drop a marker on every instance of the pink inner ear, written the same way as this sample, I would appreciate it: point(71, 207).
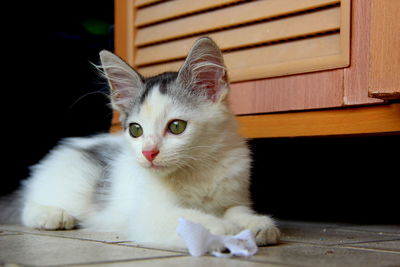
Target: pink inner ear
point(122, 97)
point(211, 80)
point(123, 89)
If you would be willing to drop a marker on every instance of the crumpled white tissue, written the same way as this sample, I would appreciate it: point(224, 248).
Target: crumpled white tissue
point(200, 241)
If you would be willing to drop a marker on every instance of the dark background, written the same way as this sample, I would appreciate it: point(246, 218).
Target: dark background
point(341, 179)
point(50, 91)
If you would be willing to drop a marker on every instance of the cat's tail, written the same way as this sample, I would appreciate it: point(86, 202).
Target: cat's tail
point(11, 208)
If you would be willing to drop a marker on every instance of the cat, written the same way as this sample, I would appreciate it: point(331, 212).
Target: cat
point(179, 155)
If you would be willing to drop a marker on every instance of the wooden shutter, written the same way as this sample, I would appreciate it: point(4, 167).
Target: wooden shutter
point(259, 39)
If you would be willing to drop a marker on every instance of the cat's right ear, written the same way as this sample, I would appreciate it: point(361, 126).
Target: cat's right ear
point(125, 83)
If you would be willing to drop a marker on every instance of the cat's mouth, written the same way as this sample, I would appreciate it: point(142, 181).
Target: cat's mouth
point(154, 166)
point(157, 167)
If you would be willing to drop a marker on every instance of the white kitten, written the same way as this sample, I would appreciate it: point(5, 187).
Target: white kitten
point(179, 156)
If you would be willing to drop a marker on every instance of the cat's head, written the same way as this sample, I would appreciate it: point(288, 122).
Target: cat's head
point(173, 119)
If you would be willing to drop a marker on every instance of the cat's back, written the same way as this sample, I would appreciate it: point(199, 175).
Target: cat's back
point(74, 152)
point(100, 149)
point(72, 175)
point(74, 162)
point(104, 142)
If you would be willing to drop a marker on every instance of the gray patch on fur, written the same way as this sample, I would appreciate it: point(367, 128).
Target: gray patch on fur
point(163, 80)
point(100, 155)
point(167, 84)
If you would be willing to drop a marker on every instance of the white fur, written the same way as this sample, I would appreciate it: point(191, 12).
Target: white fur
point(201, 174)
point(204, 179)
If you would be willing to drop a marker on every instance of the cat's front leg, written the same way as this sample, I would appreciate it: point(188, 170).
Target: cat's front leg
point(46, 217)
point(262, 226)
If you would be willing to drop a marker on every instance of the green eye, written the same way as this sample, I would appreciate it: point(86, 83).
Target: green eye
point(135, 130)
point(177, 126)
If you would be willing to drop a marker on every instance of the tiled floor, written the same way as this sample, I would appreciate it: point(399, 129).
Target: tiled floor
point(303, 244)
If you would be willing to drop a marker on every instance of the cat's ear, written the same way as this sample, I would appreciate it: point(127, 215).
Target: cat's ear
point(204, 71)
point(125, 83)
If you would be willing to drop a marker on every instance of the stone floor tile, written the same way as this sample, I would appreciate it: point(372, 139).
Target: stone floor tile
point(110, 237)
point(315, 255)
point(380, 229)
point(329, 235)
point(304, 244)
point(40, 250)
point(8, 233)
point(16, 228)
point(388, 246)
point(188, 261)
point(133, 244)
point(77, 233)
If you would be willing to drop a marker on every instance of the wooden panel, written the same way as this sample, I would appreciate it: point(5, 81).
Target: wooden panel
point(357, 75)
point(140, 3)
point(124, 29)
point(121, 25)
point(384, 73)
point(296, 92)
point(345, 27)
point(172, 9)
point(280, 59)
point(366, 120)
point(286, 28)
point(157, 69)
point(284, 59)
point(226, 17)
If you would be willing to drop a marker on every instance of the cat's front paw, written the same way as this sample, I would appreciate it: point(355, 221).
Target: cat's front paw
point(267, 236)
point(48, 218)
point(264, 229)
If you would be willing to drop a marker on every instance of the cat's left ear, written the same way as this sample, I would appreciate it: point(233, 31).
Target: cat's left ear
point(125, 83)
point(204, 71)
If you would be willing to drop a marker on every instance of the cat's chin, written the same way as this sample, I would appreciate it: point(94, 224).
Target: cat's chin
point(158, 168)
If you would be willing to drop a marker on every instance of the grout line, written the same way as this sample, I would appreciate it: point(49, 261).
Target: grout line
point(158, 249)
point(270, 262)
point(47, 234)
point(366, 242)
point(372, 249)
point(15, 264)
point(116, 243)
point(308, 243)
point(367, 231)
point(8, 234)
point(345, 241)
point(119, 261)
point(349, 245)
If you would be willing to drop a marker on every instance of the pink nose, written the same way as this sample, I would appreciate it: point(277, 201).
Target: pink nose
point(150, 155)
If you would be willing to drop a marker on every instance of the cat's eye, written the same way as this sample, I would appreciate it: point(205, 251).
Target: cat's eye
point(177, 126)
point(135, 130)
